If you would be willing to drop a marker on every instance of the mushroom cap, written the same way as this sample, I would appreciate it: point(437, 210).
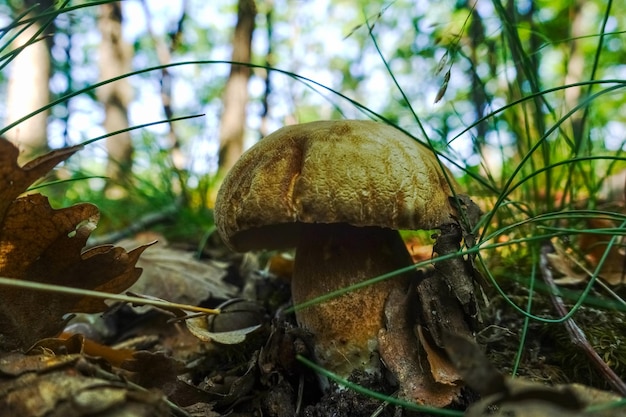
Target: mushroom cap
point(358, 172)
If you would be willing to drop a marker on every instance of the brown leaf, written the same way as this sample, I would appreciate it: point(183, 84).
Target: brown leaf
point(438, 307)
point(594, 245)
point(41, 244)
point(177, 276)
point(77, 343)
point(237, 320)
point(16, 364)
point(472, 364)
point(15, 180)
point(400, 351)
point(516, 396)
point(562, 262)
point(72, 387)
point(440, 367)
point(443, 88)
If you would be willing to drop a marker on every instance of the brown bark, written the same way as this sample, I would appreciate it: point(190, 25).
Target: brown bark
point(115, 60)
point(236, 92)
point(28, 91)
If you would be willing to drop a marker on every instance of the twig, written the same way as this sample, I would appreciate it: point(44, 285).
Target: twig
point(577, 335)
point(138, 225)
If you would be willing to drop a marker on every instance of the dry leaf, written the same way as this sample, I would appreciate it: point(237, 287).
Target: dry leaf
point(198, 327)
point(238, 318)
point(517, 397)
point(97, 350)
point(562, 262)
point(15, 180)
point(41, 244)
point(177, 276)
point(71, 386)
point(595, 245)
point(440, 367)
point(443, 88)
point(399, 350)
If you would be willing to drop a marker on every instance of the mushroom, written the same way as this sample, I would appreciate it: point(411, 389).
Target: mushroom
point(337, 191)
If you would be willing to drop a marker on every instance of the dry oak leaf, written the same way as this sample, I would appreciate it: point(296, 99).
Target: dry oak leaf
point(14, 180)
point(38, 243)
point(41, 244)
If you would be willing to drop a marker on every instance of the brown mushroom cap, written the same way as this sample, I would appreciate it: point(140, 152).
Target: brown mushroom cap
point(358, 172)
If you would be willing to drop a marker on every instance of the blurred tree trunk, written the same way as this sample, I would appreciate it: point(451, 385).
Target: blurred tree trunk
point(115, 60)
point(28, 88)
point(269, 61)
point(576, 66)
point(235, 97)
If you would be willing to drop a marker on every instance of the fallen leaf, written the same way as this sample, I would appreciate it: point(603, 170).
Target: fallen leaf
point(16, 364)
point(14, 180)
point(438, 307)
point(400, 351)
point(197, 327)
point(561, 261)
point(441, 369)
point(595, 245)
point(517, 397)
point(72, 386)
point(41, 244)
point(90, 348)
point(238, 318)
point(177, 276)
point(472, 364)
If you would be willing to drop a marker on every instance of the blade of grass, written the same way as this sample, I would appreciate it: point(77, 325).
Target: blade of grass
point(47, 21)
point(38, 286)
point(595, 63)
point(504, 192)
point(404, 404)
point(525, 325)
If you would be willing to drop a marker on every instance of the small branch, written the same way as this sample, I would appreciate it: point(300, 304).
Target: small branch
point(577, 335)
point(143, 223)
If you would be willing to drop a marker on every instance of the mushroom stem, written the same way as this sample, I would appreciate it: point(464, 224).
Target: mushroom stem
point(334, 256)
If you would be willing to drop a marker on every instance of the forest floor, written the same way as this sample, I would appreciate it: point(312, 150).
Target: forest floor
point(145, 361)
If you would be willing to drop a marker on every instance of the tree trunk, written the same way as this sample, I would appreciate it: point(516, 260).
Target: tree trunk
point(28, 89)
point(576, 66)
point(235, 97)
point(115, 60)
point(269, 61)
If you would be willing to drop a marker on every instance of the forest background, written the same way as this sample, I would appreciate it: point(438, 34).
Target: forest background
point(448, 72)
